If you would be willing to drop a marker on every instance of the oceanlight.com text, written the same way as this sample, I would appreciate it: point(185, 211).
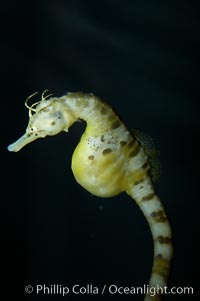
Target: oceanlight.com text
point(112, 289)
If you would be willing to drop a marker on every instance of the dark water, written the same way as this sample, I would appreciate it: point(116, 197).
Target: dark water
point(143, 58)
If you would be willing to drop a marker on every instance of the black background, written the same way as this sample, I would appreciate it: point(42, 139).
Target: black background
point(143, 58)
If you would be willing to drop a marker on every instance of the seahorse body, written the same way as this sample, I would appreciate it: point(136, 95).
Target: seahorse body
point(107, 161)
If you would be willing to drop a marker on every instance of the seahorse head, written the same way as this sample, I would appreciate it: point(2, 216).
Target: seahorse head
point(45, 119)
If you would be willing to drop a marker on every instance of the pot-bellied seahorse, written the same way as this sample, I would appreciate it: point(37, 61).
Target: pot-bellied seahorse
point(108, 160)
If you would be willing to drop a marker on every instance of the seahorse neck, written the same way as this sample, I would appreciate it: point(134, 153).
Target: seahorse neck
point(89, 108)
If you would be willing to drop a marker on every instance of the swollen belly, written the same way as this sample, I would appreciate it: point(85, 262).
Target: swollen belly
point(97, 175)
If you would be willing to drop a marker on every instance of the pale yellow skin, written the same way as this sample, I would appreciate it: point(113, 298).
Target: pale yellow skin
point(107, 161)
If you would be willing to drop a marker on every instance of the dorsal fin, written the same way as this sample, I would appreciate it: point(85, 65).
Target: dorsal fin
point(152, 152)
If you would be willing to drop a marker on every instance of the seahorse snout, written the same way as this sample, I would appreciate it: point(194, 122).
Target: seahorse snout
point(21, 142)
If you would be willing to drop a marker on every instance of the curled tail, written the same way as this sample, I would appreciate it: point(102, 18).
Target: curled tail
point(144, 195)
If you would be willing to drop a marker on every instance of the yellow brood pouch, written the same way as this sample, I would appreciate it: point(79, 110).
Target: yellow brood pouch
point(108, 160)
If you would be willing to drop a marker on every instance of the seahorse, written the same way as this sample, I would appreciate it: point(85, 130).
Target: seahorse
point(108, 160)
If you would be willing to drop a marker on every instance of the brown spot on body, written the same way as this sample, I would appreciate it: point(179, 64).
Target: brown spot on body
point(135, 151)
point(138, 181)
point(131, 143)
point(104, 110)
point(45, 109)
point(159, 216)
point(111, 116)
point(148, 197)
point(161, 267)
point(107, 151)
point(158, 256)
point(123, 143)
point(102, 138)
point(53, 123)
point(163, 239)
point(91, 157)
point(115, 124)
point(145, 165)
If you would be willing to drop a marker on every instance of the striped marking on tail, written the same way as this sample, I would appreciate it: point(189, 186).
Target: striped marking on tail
point(149, 203)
